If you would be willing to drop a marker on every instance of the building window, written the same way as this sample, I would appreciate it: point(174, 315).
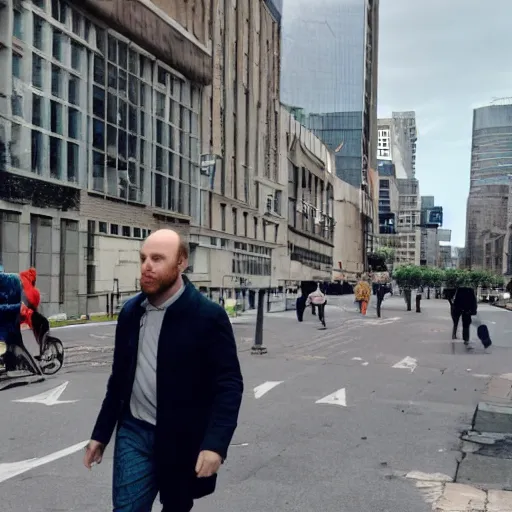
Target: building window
point(223, 217)
point(17, 29)
point(245, 224)
point(119, 114)
point(175, 120)
point(37, 152)
point(16, 65)
point(17, 105)
point(235, 221)
point(37, 71)
point(37, 110)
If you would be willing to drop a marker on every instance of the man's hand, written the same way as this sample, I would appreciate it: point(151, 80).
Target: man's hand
point(208, 463)
point(93, 453)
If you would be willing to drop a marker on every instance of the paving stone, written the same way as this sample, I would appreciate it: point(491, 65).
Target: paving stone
point(461, 498)
point(499, 501)
point(485, 472)
point(500, 388)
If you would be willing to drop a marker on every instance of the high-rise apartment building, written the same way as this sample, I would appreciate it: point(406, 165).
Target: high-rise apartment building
point(330, 54)
point(489, 206)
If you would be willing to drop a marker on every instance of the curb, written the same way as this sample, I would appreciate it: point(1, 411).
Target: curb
point(494, 410)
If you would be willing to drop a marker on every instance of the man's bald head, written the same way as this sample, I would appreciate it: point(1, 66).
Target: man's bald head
point(170, 240)
point(163, 256)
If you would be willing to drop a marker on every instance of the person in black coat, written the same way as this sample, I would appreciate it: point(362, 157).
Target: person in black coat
point(175, 389)
point(463, 305)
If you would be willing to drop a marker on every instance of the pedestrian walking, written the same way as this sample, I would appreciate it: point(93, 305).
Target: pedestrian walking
point(317, 299)
point(300, 306)
point(464, 306)
point(362, 293)
point(175, 389)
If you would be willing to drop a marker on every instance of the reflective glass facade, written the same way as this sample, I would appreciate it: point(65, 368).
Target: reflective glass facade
point(323, 55)
point(90, 109)
point(325, 72)
point(489, 195)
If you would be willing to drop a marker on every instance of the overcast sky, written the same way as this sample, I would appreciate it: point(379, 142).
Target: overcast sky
point(442, 58)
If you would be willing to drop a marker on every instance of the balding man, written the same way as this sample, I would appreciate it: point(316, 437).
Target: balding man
point(175, 389)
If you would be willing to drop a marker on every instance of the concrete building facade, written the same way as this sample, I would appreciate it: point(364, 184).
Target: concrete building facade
point(241, 233)
point(310, 197)
point(99, 138)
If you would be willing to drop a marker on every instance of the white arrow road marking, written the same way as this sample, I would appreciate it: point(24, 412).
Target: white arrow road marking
point(11, 469)
point(264, 388)
point(407, 363)
point(50, 397)
point(337, 398)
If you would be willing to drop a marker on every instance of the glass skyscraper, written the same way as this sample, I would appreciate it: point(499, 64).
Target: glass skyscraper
point(488, 237)
point(329, 69)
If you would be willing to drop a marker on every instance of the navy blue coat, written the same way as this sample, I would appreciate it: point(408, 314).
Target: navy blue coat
point(199, 388)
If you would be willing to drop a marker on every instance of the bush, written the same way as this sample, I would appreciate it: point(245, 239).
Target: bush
point(413, 276)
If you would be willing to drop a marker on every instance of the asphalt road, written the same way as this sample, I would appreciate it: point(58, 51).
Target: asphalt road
point(290, 453)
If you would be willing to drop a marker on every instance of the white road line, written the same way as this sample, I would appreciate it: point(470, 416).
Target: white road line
point(383, 321)
point(50, 397)
point(337, 398)
point(357, 359)
point(264, 388)
point(407, 363)
point(11, 469)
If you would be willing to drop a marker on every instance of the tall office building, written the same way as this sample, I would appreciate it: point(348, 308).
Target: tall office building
point(396, 152)
point(489, 214)
point(329, 70)
point(397, 137)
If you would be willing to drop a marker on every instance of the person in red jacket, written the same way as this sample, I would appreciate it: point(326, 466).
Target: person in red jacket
point(31, 296)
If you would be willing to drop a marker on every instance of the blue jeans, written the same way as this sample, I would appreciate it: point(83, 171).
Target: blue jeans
point(135, 484)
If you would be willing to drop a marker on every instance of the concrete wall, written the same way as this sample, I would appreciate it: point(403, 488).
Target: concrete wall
point(117, 258)
point(49, 240)
point(348, 232)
